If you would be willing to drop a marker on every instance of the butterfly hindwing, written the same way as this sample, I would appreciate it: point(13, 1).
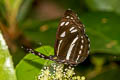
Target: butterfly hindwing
point(71, 42)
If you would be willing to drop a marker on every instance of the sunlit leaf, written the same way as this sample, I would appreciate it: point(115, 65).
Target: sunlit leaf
point(30, 66)
point(6, 65)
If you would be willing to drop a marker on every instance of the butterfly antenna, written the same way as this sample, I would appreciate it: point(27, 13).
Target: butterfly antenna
point(30, 50)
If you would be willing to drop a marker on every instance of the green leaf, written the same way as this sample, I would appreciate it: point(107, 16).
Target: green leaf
point(104, 5)
point(30, 66)
point(6, 65)
point(112, 74)
point(47, 50)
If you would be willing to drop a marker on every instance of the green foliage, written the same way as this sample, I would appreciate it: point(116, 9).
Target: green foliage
point(30, 65)
point(7, 71)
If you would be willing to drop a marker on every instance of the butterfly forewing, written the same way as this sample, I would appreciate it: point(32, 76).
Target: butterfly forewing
point(71, 42)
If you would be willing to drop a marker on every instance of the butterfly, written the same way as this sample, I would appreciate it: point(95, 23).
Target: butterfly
point(72, 44)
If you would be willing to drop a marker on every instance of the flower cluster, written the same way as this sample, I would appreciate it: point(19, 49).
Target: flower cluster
point(57, 72)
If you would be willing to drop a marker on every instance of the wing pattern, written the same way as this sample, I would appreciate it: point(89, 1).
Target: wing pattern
point(72, 44)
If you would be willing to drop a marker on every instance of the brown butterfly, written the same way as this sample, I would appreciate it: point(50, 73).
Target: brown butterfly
point(72, 44)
